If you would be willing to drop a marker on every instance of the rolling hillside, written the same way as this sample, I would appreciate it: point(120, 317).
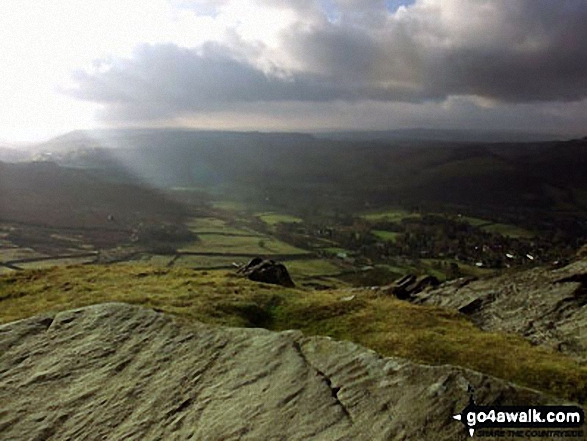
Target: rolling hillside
point(282, 167)
point(46, 194)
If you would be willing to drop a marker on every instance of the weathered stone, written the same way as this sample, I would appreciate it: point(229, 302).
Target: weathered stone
point(267, 271)
point(410, 285)
point(116, 371)
point(545, 305)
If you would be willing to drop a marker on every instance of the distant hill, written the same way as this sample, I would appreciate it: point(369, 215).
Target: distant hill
point(300, 171)
point(47, 194)
point(446, 135)
point(10, 154)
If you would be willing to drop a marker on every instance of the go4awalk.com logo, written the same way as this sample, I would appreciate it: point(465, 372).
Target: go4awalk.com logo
point(537, 420)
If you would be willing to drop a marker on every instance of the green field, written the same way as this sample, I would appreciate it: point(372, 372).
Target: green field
point(390, 216)
point(230, 205)
point(474, 221)
point(273, 219)
point(214, 225)
point(299, 269)
point(205, 223)
point(508, 230)
point(398, 269)
point(206, 261)
point(438, 267)
point(9, 254)
point(390, 236)
point(217, 243)
point(336, 250)
point(497, 228)
point(76, 240)
point(157, 260)
point(311, 268)
point(55, 262)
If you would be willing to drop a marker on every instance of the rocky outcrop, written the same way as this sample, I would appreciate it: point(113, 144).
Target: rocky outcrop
point(267, 271)
point(410, 285)
point(116, 371)
point(547, 306)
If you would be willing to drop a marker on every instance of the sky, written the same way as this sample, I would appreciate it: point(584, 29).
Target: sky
point(294, 65)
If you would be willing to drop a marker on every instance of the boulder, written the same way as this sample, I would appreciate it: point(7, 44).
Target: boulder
point(267, 271)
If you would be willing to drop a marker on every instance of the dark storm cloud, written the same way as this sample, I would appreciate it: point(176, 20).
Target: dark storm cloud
point(530, 50)
point(166, 80)
point(514, 51)
point(509, 50)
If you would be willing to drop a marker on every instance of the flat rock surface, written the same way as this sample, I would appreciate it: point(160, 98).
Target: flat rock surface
point(547, 306)
point(120, 372)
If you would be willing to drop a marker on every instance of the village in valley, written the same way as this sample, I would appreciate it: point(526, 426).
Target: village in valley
point(376, 247)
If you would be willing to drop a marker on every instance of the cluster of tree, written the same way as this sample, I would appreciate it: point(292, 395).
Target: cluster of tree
point(162, 238)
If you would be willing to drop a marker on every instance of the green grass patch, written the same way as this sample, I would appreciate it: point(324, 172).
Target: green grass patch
point(474, 221)
point(157, 260)
point(390, 216)
point(5, 270)
point(434, 267)
point(55, 262)
point(205, 261)
point(206, 225)
point(390, 236)
point(219, 243)
point(424, 334)
point(273, 219)
point(213, 225)
point(193, 295)
point(336, 250)
point(230, 205)
point(311, 268)
point(404, 269)
point(8, 254)
point(508, 230)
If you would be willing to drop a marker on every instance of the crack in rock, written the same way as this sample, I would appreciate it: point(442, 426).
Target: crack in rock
point(333, 389)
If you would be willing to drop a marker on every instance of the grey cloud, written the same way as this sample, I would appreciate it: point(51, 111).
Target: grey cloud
point(165, 80)
point(537, 51)
point(520, 50)
point(343, 55)
point(512, 51)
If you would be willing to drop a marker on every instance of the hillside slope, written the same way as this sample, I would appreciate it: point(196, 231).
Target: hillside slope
point(46, 194)
point(283, 167)
point(117, 371)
